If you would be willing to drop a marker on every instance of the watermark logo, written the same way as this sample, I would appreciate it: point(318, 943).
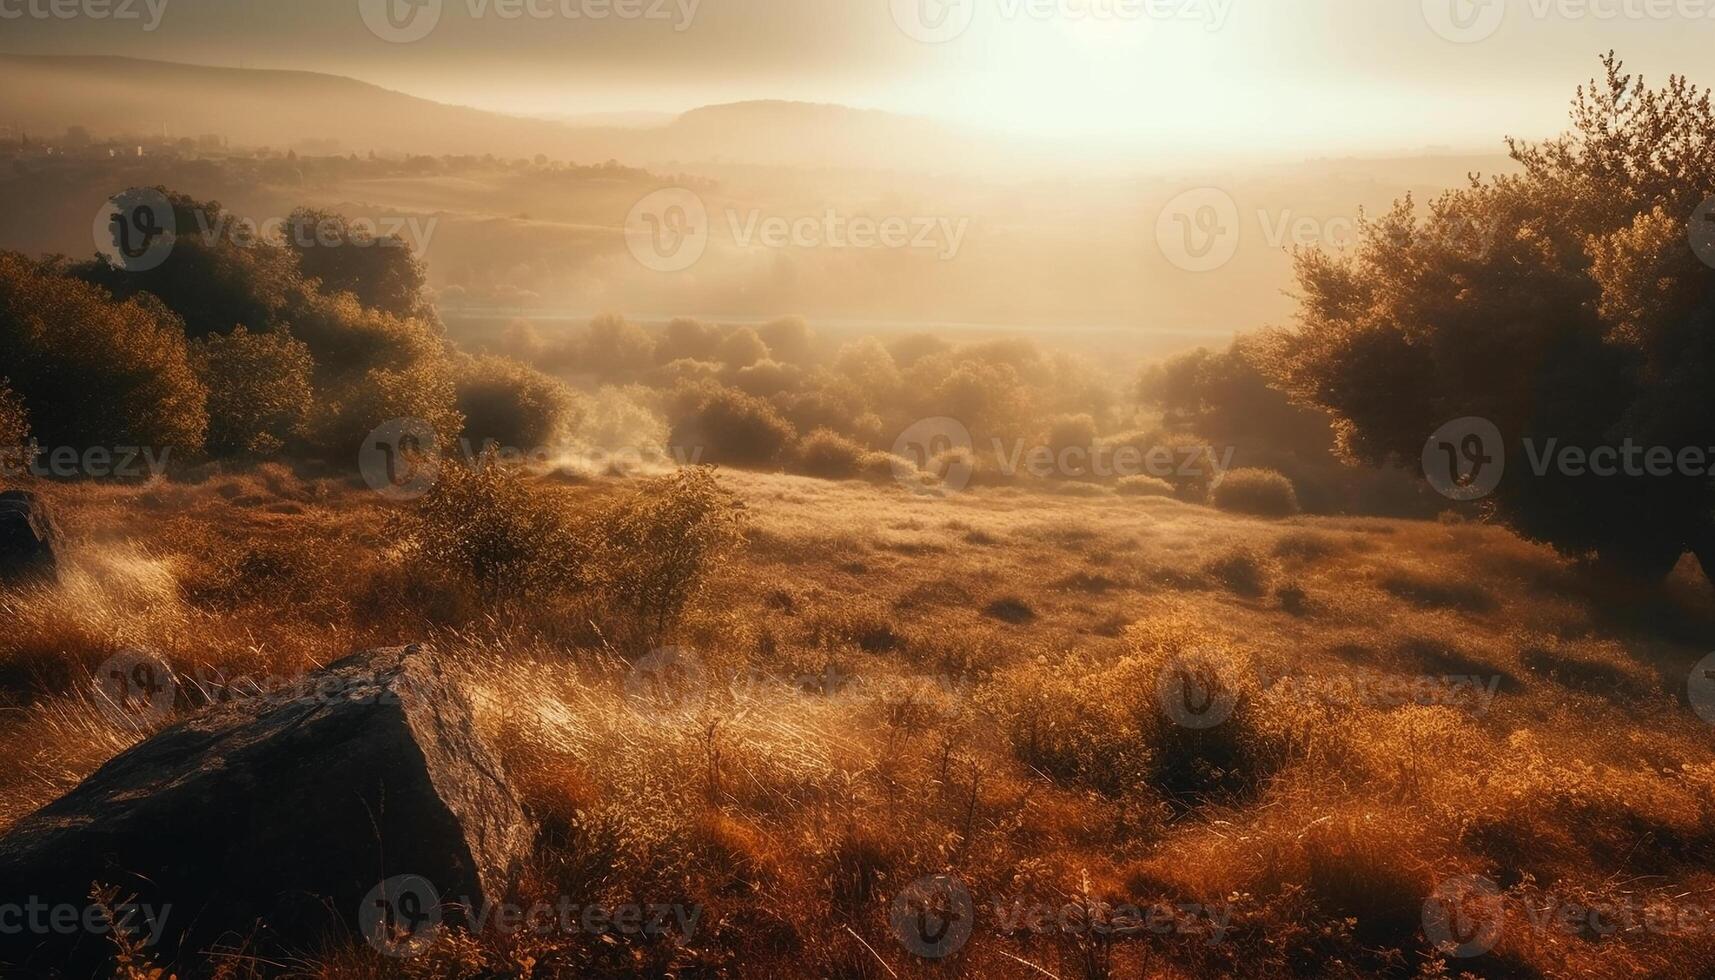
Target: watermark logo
point(400, 459)
point(1463, 917)
point(400, 21)
point(1465, 459)
point(1465, 21)
point(135, 230)
point(401, 917)
point(668, 231)
point(1700, 689)
point(933, 21)
point(934, 916)
point(1702, 232)
point(1199, 230)
point(930, 443)
point(671, 682)
point(1191, 692)
point(136, 689)
point(150, 12)
point(943, 236)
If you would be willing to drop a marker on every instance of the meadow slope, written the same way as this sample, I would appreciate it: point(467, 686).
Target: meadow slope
point(891, 685)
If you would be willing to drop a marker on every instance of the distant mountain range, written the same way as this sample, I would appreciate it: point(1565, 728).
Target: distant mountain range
point(113, 96)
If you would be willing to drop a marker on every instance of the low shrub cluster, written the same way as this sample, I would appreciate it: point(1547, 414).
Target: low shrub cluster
point(1260, 492)
point(641, 559)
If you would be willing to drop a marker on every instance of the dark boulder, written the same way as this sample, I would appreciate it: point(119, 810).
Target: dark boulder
point(29, 537)
point(263, 825)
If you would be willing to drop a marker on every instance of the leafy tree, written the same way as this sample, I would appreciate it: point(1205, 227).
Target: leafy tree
point(614, 349)
point(216, 277)
point(92, 372)
point(421, 390)
point(1561, 303)
point(380, 271)
point(259, 390)
point(789, 339)
point(1225, 397)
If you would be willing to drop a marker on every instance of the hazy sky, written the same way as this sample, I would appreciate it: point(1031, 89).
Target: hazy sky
point(1265, 77)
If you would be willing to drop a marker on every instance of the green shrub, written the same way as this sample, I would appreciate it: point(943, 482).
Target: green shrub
point(92, 372)
point(381, 272)
point(513, 404)
point(1202, 706)
point(349, 339)
point(213, 279)
point(1243, 571)
point(259, 390)
point(714, 424)
point(424, 390)
point(659, 546)
point(1263, 493)
point(1069, 438)
point(485, 525)
point(829, 455)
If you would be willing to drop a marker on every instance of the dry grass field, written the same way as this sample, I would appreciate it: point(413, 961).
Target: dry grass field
point(989, 686)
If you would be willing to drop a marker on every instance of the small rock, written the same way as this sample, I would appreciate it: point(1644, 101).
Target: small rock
point(264, 824)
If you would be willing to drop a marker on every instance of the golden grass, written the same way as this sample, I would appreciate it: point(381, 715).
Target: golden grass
point(901, 684)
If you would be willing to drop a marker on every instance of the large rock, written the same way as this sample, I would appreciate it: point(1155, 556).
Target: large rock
point(29, 538)
point(265, 824)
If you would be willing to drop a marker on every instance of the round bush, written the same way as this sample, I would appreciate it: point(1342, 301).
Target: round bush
point(1264, 493)
point(513, 404)
point(829, 455)
point(715, 424)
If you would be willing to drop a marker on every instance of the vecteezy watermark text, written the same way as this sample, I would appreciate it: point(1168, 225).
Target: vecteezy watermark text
point(37, 917)
point(150, 12)
point(1466, 458)
point(1466, 916)
point(405, 21)
point(96, 462)
point(669, 230)
point(1471, 21)
point(935, 916)
point(402, 917)
point(941, 235)
point(381, 231)
point(939, 21)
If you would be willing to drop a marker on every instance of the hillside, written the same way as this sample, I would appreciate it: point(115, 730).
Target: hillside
point(894, 686)
point(263, 107)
